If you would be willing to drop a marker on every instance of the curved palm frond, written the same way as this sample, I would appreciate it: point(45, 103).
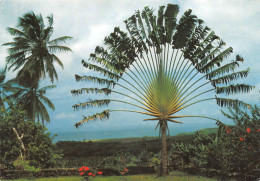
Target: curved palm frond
point(59, 40)
point(33, 100)
point(99, 116)
point(7, 88)
point(105, 91)
point(46, 101)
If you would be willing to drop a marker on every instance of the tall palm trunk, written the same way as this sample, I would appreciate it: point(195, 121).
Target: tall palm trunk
point(164, 161)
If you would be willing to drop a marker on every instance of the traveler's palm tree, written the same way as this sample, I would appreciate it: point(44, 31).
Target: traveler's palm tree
point(32, 48)
point(159, 63)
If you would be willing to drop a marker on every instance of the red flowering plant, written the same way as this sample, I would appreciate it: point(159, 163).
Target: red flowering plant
point(233, 149)
point(240, 144)
point(86, 172)
point(124, 172)
point(228, 130)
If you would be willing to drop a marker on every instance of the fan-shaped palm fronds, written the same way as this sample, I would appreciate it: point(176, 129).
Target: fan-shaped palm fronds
point(160, 63)
point(32, 50)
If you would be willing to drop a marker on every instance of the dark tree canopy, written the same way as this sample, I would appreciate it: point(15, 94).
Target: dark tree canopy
point(40, 151)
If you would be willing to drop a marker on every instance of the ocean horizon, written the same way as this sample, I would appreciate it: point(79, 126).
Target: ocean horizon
point(88, 135)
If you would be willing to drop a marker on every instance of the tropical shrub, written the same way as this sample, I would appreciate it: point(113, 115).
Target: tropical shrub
point(24, 165)
point(40, 152)
point(115, 162)
point(240, 143)
point(233, 151)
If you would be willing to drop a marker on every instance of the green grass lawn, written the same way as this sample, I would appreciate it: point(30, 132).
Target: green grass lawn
point(174, 176)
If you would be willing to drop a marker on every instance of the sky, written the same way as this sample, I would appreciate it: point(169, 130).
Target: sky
point(88, 22)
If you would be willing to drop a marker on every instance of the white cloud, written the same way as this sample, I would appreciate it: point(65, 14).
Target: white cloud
point(234, 20)
point(66, 116)
point(95, 36)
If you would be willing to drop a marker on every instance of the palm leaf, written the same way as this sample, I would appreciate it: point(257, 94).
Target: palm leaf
point(222, 70)
point(55, 48)
point(184, 29)
point(14, 31)
point(91, 103)
point(230, 77)
point(105, 91)
point(47, 87)
point(99, 116)
point(224, 102)
point(231, 89)
point(60, 40)
point(170, 20)
point(43, 113)
point(56, 59)
point(96, 80)
point(103, 71)
point(47, 101)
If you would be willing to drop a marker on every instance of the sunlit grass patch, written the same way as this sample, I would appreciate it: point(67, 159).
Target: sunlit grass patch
point(174, 176)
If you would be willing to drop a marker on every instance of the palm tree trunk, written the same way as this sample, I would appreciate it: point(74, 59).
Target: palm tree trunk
point(164, 160)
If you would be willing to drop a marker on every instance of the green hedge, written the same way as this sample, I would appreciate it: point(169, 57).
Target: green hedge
point(15, 174)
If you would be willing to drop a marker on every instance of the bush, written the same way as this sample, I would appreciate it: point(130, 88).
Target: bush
point(234, 150)
point(21, 164)
point(40, 152)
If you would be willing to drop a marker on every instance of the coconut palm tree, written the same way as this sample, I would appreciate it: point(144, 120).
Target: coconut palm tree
point(6, 88)
point(3, 88)
point(33, 100)
point(158, 67)
point(33, 50)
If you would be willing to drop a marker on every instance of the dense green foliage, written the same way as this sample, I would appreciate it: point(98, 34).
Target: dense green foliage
point(40, 153)
point(110, 147)
point(233, 151)
point(217, 152)
point(132, 149)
